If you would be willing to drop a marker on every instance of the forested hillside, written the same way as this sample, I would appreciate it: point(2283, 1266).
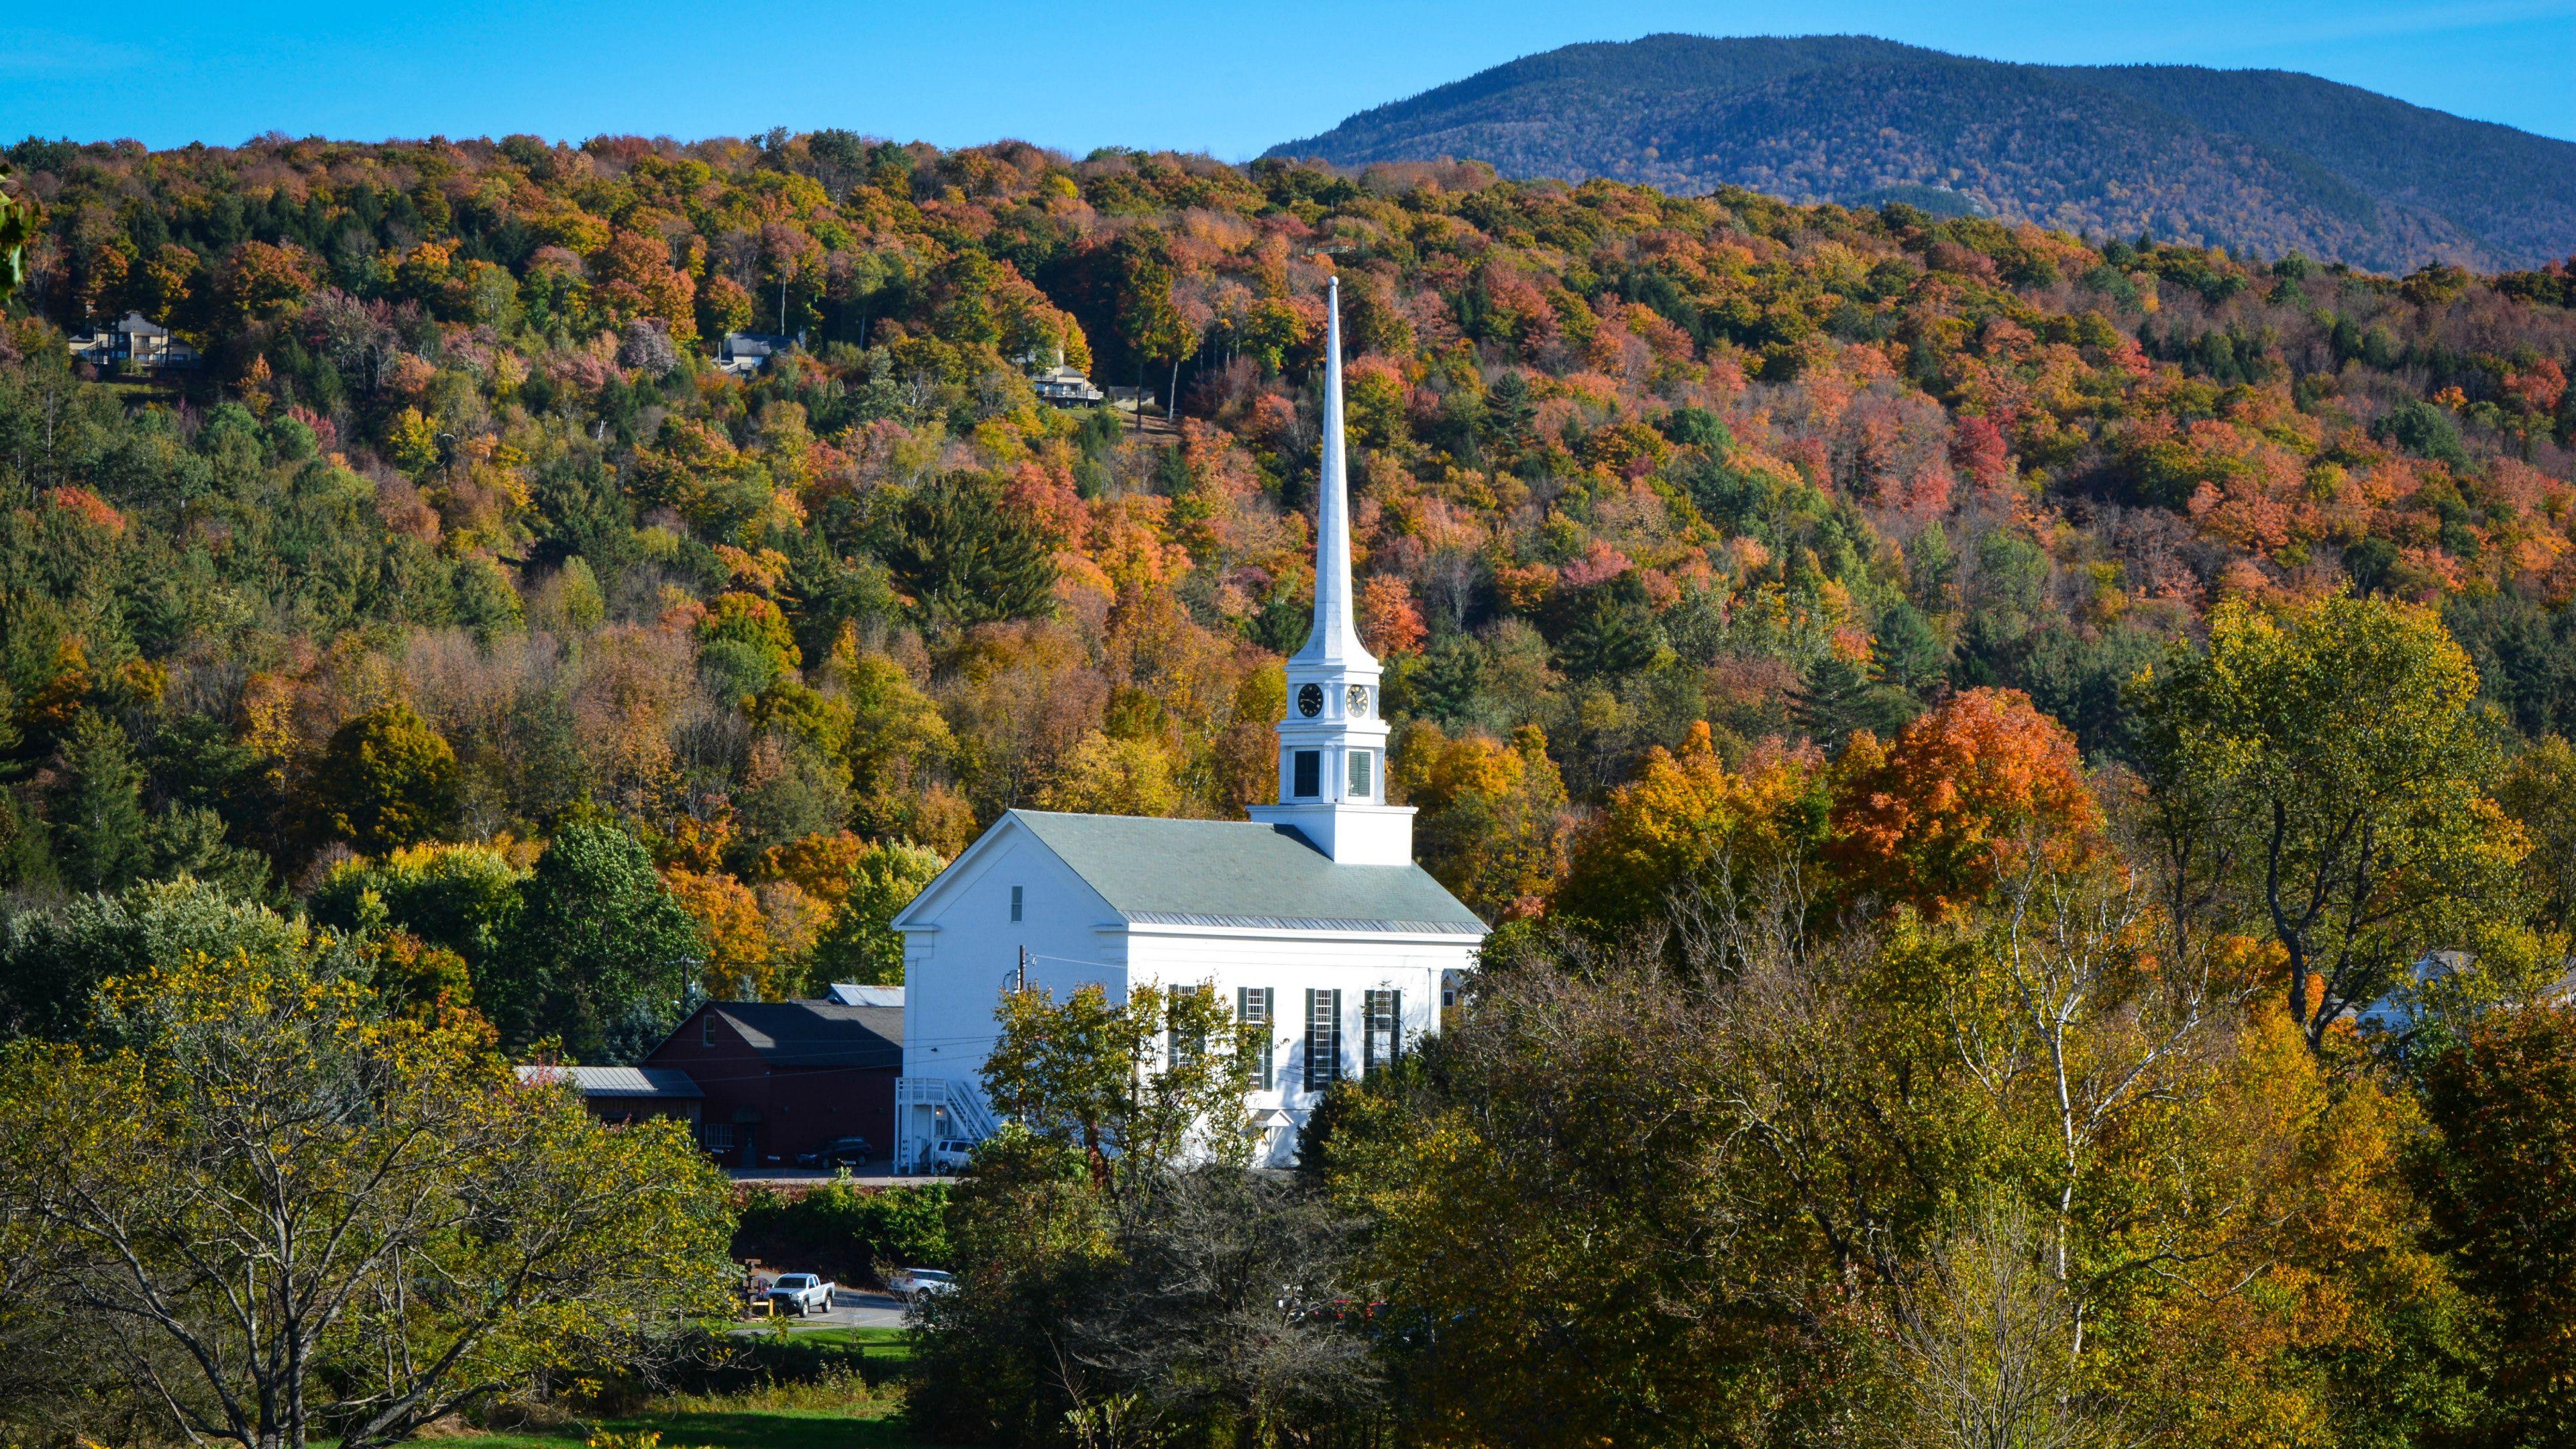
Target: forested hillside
point(2023, 786)
point(2267, 160)
point(460, 544)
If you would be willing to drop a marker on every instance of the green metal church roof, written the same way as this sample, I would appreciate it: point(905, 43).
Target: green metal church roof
point(1241, 873)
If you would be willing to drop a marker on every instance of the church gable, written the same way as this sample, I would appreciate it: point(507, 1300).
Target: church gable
point(1008, 856)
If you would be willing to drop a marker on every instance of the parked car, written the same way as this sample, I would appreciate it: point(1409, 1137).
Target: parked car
point(914, 1284)
point(840, 1151)
point(949, 1154)
point(802, 1292)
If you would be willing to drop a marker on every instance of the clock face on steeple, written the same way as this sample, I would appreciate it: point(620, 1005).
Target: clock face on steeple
point(1310, 700)
point(1358, 697)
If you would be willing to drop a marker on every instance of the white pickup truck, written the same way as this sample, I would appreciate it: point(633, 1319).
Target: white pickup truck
point(802, 1292)
point(914, 1284)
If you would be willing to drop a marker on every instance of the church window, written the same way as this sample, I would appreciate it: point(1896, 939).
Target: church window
point(1308, 768)
point(1256, 1007)
point(1185, 1044)
point(1363, 774)
point(1382, 1028)
point(1015, 902)
point(1323, 1039)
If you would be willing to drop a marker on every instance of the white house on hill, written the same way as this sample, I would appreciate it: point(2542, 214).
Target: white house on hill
point(1311, 917)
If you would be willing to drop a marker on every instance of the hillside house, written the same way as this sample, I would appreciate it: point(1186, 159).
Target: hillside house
point(1065, 387)
point(137, 343)
point(741, 354)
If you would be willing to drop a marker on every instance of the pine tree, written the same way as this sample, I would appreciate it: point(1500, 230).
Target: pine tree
point(966, 558)
point(1837, 699)
point(1911, 656)
point(102, 834)
point(1608, 633)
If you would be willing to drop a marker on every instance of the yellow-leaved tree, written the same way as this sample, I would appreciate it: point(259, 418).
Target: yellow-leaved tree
point(272, 1210)
point(2320, 776)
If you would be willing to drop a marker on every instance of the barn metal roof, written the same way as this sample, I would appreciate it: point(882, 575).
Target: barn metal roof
point(668, 1083)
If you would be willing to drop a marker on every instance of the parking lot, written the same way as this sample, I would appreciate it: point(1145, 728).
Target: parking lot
point(851, 1308)
point(879, 1173)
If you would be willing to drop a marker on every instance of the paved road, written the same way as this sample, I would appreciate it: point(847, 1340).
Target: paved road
point(851, 1308)
point(876, 1174)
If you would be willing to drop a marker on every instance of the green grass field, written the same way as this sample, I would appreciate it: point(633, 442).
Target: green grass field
point(837, 1413)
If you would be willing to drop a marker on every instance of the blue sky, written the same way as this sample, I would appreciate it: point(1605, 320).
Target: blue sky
point(1225, 78)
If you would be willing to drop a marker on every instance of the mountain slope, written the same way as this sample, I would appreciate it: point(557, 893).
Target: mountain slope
point(2266, 159)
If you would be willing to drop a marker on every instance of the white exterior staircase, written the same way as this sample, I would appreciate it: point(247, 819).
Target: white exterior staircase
point(931, 1109)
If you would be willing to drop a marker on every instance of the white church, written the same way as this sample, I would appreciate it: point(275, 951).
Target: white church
point(1311, 917)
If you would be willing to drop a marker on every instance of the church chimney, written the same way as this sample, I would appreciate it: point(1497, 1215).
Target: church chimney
point(1332, 744)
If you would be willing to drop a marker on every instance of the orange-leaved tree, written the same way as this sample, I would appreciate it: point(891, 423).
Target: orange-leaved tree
point(1963, 796)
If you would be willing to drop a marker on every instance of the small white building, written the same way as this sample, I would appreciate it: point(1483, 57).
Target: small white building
point(1311, 918)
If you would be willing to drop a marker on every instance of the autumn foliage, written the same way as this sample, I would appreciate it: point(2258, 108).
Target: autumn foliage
point(1963, 797)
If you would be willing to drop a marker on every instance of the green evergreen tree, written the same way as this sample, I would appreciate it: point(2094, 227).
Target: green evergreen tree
point(1451, 678)
point(1910, 655)
point(1509, 412)
point(1837, 699)
point(1606, 631)
point(102, 835)
point(965, 558)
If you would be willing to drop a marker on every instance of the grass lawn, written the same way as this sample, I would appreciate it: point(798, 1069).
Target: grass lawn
point(835, 1414)
point(864, 1427)
point(883, 1345)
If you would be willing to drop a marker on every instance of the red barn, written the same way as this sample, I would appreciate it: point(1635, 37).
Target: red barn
point(780, 1078)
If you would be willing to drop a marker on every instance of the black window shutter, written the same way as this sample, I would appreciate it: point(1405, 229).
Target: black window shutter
point(1381, 1028)
point(1269, 1035)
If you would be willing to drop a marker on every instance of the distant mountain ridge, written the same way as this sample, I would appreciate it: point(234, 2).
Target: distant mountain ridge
point(2267, 159)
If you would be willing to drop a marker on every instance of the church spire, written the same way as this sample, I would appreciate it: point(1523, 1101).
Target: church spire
point(1334, 639)
point(1332, 744)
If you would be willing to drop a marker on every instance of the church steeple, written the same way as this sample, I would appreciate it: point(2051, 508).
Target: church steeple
point(1334, 639)
point(1332, 744)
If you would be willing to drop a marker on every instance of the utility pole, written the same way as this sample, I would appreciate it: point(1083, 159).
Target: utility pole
point(1024, 970)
